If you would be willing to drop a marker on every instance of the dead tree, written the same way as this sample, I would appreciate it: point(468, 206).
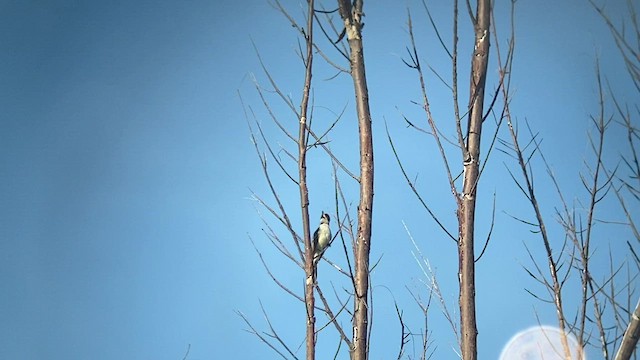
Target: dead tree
point(627, 190)
point(351, 15)
point(307, 139)
point(595, 316)
point(304, 259)
point(470, 163)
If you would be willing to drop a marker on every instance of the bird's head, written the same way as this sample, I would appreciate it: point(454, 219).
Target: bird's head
point(325, 218)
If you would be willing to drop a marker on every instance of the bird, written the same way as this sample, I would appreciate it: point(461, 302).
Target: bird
point(321, 237)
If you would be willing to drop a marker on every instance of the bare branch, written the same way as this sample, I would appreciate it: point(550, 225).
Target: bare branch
point(415, 190)
point(435, 28)
point(427, 109)
point(260, 335)
point(273, 277)
point(493, 218)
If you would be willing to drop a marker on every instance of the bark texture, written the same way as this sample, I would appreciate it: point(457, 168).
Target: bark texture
point(352, 15)
point(631, 335)
point(304, 192)
point(467, 204)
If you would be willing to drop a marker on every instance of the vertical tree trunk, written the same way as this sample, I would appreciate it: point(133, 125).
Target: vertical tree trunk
point(466, 215)
point(631, 335)
point(304, 193)
point(351, 15)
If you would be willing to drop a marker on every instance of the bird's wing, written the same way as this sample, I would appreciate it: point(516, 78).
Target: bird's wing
point(315, 238)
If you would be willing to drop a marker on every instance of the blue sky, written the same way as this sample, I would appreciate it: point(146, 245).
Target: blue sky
point(126, 169)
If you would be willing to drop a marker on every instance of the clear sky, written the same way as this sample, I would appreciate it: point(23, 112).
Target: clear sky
point(126, 169)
